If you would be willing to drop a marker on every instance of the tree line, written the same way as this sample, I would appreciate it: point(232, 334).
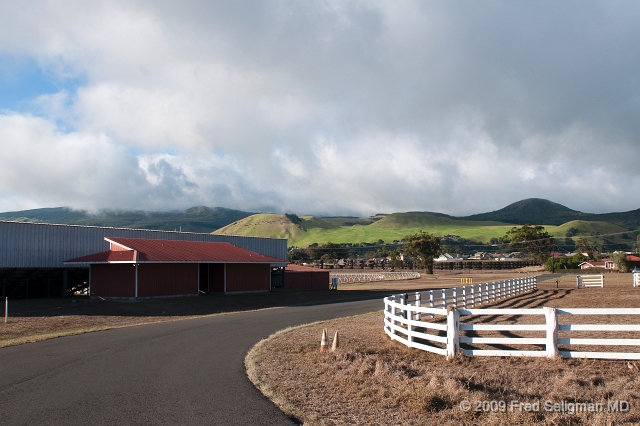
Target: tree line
point(533, 241)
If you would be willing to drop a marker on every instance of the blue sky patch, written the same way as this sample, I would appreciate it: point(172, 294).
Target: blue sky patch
point(22, 79)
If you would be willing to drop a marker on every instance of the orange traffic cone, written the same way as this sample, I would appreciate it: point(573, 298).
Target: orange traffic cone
point(324, 344)
point(336, 342)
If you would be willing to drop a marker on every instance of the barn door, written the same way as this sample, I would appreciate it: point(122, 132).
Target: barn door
point(277, 277)
point(203, 278)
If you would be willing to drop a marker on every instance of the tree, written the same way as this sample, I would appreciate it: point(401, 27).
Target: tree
point(565, 262)
point(620, 259)
point(584, 246)
point(328, 251)
point(296, 253)
point(533, 240)
point(571, 232)
point(424, 246)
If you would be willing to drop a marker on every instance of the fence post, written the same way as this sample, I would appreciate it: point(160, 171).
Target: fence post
point(486, 292)
point(473, 296)
point(418, 304)
point(551, 317)
point(403, 300)
point(431, 301)
point(394, 313)
point(453, 335)
point(493, 291)
point(455, 297)
point(406, 314)
point(444, 299)
point(464, 297)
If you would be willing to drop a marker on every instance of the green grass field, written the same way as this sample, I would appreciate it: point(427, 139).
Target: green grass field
point(395, 227)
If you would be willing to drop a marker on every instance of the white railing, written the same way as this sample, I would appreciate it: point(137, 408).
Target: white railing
point(583, 281)
point(373, 276)
point(636, 279)
point(404, 312)
point(403, 322)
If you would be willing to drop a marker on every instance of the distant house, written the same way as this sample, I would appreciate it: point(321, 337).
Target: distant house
point(481, 255)
point(446, 257)
point(634, 261)
point(603, 264)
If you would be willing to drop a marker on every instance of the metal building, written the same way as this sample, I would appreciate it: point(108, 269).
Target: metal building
point(144, 268)
point(32, 254)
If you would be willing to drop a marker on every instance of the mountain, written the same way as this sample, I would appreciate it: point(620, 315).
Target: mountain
point(537, 211)
point(557, 219)
point(301, 231)
point(195, 219)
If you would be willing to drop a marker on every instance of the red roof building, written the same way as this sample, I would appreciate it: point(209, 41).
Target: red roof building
point(136, 268)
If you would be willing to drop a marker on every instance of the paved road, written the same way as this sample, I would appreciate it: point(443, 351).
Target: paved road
point(183, 372)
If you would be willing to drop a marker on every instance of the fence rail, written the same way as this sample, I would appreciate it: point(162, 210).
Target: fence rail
point(344, 278)
point(404, 313)
point(589, 281)
point(440, 334)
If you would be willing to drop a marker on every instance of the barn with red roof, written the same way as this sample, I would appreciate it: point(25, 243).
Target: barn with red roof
point(143, 268)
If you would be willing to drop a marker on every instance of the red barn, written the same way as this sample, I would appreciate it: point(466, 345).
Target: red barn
point(137, 267)
point(305, 278)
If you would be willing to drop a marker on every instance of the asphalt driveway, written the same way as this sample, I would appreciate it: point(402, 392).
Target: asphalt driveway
point(181, 372)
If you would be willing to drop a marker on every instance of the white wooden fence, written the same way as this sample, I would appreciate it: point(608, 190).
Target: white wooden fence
point(402, 318)
point(373, 276)
point(636, 279)
point(589, 281)
point(402, 322)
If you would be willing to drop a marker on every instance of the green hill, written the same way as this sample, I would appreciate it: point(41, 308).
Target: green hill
point(531, 211)
point(395, 226)
point(387, 228)
point(610, 229)
point(544, 212)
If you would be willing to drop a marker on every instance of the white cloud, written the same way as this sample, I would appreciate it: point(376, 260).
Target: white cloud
point(324, 107)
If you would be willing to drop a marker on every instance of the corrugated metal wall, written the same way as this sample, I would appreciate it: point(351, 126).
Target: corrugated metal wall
point(113, 280)
point(248, 277)
point(35, 245)
point(159, 279)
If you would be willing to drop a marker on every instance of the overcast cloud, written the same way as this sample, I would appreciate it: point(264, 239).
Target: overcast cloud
point(319, 107)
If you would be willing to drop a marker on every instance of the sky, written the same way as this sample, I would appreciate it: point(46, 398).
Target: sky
point(319, 107)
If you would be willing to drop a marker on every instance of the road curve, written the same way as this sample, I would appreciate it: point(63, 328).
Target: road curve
point(180, 372)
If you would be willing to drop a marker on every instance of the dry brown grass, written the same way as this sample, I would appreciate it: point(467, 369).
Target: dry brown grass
point(33, 329)
point(373, 380)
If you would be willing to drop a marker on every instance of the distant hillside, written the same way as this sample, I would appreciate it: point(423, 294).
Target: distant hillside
point(353, 230)
point(531, 211)
point(195, 219)
point(557, 219)
point(544, 212)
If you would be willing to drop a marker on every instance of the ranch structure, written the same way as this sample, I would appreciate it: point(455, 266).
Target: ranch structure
point(143, 268)
point(33, 255)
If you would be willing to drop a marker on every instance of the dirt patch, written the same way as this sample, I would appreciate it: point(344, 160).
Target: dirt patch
point(373, 380)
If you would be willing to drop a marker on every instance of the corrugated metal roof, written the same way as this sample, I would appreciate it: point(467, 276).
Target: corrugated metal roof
point(153, 250)
point(38, 245)
point(106, 257)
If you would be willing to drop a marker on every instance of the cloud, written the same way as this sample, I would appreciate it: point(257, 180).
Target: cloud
point(324, 107)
